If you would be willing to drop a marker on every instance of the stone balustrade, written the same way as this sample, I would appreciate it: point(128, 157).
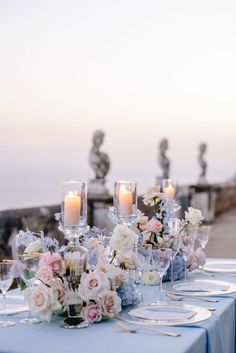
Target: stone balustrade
point(211, 199)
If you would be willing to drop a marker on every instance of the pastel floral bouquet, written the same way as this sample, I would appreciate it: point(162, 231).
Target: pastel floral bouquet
point(69, 283)
point(161, 230)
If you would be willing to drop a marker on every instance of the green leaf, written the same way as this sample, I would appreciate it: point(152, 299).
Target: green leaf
point(23, 285)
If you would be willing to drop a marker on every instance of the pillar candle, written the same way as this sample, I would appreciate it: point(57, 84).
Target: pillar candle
point(125, 202)
point(72, 205)
point(170, 190)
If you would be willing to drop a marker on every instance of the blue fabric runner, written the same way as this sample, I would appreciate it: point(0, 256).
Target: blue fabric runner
point(216, 335)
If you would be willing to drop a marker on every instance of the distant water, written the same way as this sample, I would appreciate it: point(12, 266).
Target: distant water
point(19, 189)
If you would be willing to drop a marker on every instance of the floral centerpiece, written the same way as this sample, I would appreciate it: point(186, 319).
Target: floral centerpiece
point(94, 296)
point(159, 231)
point(71, 286)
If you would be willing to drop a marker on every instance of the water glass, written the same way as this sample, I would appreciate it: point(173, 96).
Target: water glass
point(187, 246)
point(6, 279)
point(29, 267)
point(144, 253)
point(160, 260)
point(203, 235)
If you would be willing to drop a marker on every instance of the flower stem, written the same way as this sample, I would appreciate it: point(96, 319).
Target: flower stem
point(113, 257)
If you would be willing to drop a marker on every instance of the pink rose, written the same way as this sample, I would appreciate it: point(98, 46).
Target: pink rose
point(192, 262)
point(54, 261)
point(45, 259)
point(153, 226)
point(57, 264)
point(92, 313)
point(58, 289)
point(110, 302)
point(92, 284)
point(45, 274)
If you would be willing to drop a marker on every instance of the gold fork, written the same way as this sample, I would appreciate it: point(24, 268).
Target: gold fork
point(179, 298)
point(138, 328)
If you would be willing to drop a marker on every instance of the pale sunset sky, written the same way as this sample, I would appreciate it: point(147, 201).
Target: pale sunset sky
point(140, 70)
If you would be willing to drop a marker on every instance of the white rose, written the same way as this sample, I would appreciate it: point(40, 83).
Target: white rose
point(149, 277)
point(115, 275)
point(152, 195)
point(129, 260)
point(123, 239)
point(42, 302)
point(194, 216)
point(35, 246)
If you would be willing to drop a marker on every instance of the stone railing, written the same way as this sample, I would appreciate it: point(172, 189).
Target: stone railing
point(212, 200)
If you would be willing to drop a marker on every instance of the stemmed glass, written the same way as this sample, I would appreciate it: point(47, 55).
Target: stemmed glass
point(144, 256)
point(6, 279)
point(187, 246)
point(175, 249)
point(160, 260)
point(174, 226)
point(203, 235)
point(29, 267)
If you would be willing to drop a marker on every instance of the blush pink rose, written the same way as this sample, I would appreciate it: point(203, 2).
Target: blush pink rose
point(110, 302)
point(45, 274)
point(153, 226)
point(92, 284)
point(92, 313)
point(54, 261)
point(40, 302)
point(58, 289)
point(192, 262)
point(56, 264)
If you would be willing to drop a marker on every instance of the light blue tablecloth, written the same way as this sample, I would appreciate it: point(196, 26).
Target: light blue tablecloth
point(216, 335)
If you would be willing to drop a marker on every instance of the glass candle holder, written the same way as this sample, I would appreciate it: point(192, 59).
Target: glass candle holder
point(170, 187)
point(74, 205)
point(125, 199)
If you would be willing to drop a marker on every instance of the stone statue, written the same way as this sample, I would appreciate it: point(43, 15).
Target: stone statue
point(203, 164)
point(163, 160)
point(100, 163)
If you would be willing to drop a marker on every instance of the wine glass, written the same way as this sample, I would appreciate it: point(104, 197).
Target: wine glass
point(203, 235)
point(29, 267)
point(144, 256)
point(6, 279)
point(187, 246)
point(160, 260)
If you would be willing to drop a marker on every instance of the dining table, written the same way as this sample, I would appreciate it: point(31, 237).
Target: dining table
point(214, 335)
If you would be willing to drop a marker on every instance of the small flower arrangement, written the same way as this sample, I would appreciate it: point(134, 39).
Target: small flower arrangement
point(158, 230)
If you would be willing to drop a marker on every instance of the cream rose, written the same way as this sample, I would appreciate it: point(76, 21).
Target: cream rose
point(129, 260)
point(42, 302)
point(194, 216)
point(123, 239)
point(151, 196)
point(35, 246)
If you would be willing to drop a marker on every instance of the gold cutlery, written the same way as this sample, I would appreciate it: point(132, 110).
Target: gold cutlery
point(138, 328)
point(182, 297)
